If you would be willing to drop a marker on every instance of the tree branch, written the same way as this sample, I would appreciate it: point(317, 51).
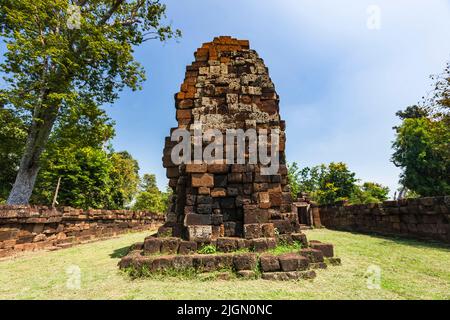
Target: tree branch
point(111, 11)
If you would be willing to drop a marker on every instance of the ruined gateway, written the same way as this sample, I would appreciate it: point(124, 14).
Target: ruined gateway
point(235, 207)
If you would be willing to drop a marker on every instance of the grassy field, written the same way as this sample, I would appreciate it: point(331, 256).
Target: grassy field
point(409, 270)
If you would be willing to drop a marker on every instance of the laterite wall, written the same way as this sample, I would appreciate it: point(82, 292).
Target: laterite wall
point(422, 218)
point(25, 228)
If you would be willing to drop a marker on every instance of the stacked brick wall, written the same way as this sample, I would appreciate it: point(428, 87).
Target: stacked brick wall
point(25, 228)
point(422, 218)
point(228, 87)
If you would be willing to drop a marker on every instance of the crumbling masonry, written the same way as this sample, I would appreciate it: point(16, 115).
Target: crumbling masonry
point(233, 206)
point(228, 87)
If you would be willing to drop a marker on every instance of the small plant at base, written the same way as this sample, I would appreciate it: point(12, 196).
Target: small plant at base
point(207, 249)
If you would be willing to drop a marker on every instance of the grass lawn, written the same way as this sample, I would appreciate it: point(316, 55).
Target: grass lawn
point(409, 270)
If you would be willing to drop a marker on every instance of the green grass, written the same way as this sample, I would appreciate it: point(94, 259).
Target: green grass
point(409, 270)
point(285, 248)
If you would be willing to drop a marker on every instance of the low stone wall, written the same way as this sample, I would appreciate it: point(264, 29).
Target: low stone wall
point(25, 228)
point(422, 218)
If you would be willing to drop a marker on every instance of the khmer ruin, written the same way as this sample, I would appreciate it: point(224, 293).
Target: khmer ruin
point(231, 200)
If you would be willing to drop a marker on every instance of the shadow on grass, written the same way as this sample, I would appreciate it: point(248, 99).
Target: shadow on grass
point(120, 253)
point(402, 240)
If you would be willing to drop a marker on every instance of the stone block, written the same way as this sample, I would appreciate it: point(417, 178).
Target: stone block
point(220, 181)
point(199, 233)
point(216, 219)
point(152, 245)
point(181, 262)
point(162, 262)
point(203, 199)
point(226, 244)
point(269, 263)
point(170, 245)
point(300, 238)
point(252, 231)
point(218, 168)
point(224, 261)
point(293, 262)
point(235, 177)
point(313, 255)
point(326, 248)
point(245, 261)
point(196, 168)
point(268, 230)
point(203, 180)
point(187, 247)
point(263, 244)
point(193, 219)
point(218, 193)
point(204, 262)
point(204, 208)
point(256, 216)
point(204, 191)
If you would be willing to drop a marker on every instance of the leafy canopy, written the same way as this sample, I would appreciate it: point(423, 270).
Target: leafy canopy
point(327, 184)
point(422, 143)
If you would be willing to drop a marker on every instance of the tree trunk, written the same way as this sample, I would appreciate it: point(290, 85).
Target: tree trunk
point(43, 120)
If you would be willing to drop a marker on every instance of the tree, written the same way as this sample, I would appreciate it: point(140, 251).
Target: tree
point(303, 180)
point(369, 192)
point(150, 198)
point(52, 63)
point(325, 183)
point(336, 183)
point(124, 178)
point(85, 179)
point(421, 147)
point(294, 179)
point(12, 136)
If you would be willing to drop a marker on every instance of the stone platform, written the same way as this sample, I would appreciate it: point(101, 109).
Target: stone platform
point(246, 258)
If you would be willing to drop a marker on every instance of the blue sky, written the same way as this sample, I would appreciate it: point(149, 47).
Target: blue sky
point(340, 83)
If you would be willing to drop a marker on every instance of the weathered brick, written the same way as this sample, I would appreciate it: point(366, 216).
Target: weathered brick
point(203, 180)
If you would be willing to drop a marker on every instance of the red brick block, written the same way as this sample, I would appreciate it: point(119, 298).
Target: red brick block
point(269, 263)
point(245, 261)
point(326, 248)
point(196, 168)
point(203, 180)
point(293, 262)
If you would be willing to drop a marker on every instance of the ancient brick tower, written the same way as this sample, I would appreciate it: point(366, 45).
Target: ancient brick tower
point(228, 87)
point(238, 209)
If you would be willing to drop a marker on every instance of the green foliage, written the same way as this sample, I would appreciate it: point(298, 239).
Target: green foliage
point(422, 151)
point(369, 192)
point(327, 184)
point(85, 180)
point(303, 180)
point(52, 66)
point(150, 198)
point(124, 178)
point(13, 132)
point(76, 153)
point(91, 63)
point(294, 179)
point(422, 144)
point(208, 249)
point(286, 248)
